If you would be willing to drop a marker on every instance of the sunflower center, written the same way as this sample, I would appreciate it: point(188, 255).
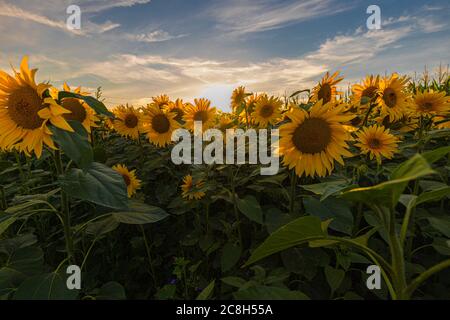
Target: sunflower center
point(126, 179)
point(390, 97)
point(312, 136)
point(266, 111)
point(369, 92)
point(131, 121)
point(325, 93)
point(201, 116)
point(23, 107)
point(160, 123)
point(374, 143)
point(77, 109)
point(427, 106)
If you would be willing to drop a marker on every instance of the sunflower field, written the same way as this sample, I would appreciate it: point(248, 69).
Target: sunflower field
point(363, 182)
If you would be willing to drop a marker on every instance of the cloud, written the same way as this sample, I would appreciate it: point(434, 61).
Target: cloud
point(102, 5)
point(154, 36)
point(245, 16)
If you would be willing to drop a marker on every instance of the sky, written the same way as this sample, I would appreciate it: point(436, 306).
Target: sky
point(136, 49)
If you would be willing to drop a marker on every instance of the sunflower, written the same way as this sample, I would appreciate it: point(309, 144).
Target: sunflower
point(128, 121)
point(377, 141)
point(238, 98)
point(392, 99)
point(442, 122)
point(200, 112)
point(26, 110)
point(176, 107)
point(250, 106)
point(129, 177)
point(80, 110)
point(430, 103)
point(224, 121)
point(161, 101)
point(366, 92)
point(190, 190)
point(314, 139)
point(159, 125)
point(326, 88)
point(267, 110)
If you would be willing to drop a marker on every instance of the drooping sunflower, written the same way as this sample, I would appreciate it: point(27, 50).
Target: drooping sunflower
point(201, 111)
point(377, 142)
point(430, 103)
point(80, 110)
point(176, 107)
point(326, 89)
point(314, 139)
point(392, 99)
point(161, 101)
point(366, 92)
point(130, 179)
point(159, 125)
point(128, 121)
point(238, 98)
point(190, 190)
point(26, 110)
point(267, 110)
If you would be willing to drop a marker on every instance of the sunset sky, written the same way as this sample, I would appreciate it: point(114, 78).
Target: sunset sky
point(136, 49)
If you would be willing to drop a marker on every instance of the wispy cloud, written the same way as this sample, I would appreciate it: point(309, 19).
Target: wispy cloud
point(246, 16)
point(153, 36)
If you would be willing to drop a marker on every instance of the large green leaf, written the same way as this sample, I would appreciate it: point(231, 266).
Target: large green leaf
point(336, 209)
point(269, 293)
point(326, 189)
point(140, 213)
point(250, 207)
point(292, 234)
point(207, 292)
point(98, 106)
point(334, 277)
point(435, 155)
point(75, 144)
point(99, 184)
point(389, 192)
point(231, 253)
point(49, 286)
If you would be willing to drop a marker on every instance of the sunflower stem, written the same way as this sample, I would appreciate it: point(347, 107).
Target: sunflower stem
point(149, 256)
point(3, 203)
point(65, 210)
point(369, 111)
point(292, 193)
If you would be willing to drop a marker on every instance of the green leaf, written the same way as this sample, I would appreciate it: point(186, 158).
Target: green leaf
point(434, 195)
point(49, 286)
point(336, 209)
point(292, 234)
point(435, 155)
point(441, 224)
point(250, 207)
point(140, 213)
point(230, 256)
point(206, 293)
point(6, 220)
point(27, 260)
point(101, 227)
point(269, 293)
point(99, 184)
point(111, 291)
point(98, 106)
point(389, 192)
point(75, 144)
point(10, 279)
point(234, 281)
point(334, 277)
point(326, 189)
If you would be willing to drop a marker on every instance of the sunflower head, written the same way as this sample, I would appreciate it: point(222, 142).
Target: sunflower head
point(377, 142)
point(161, 101)
point(267, 111)
point(201, 111)
point(429, 103)
point(178, 108)
point(128, 121)
point(191, 190)
point(129, 177)
point(366, 92)
point(326, 89)
point(159, 125)
point(238, 98)
point(392, 99)
point(314, 139)
point(26, 111)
